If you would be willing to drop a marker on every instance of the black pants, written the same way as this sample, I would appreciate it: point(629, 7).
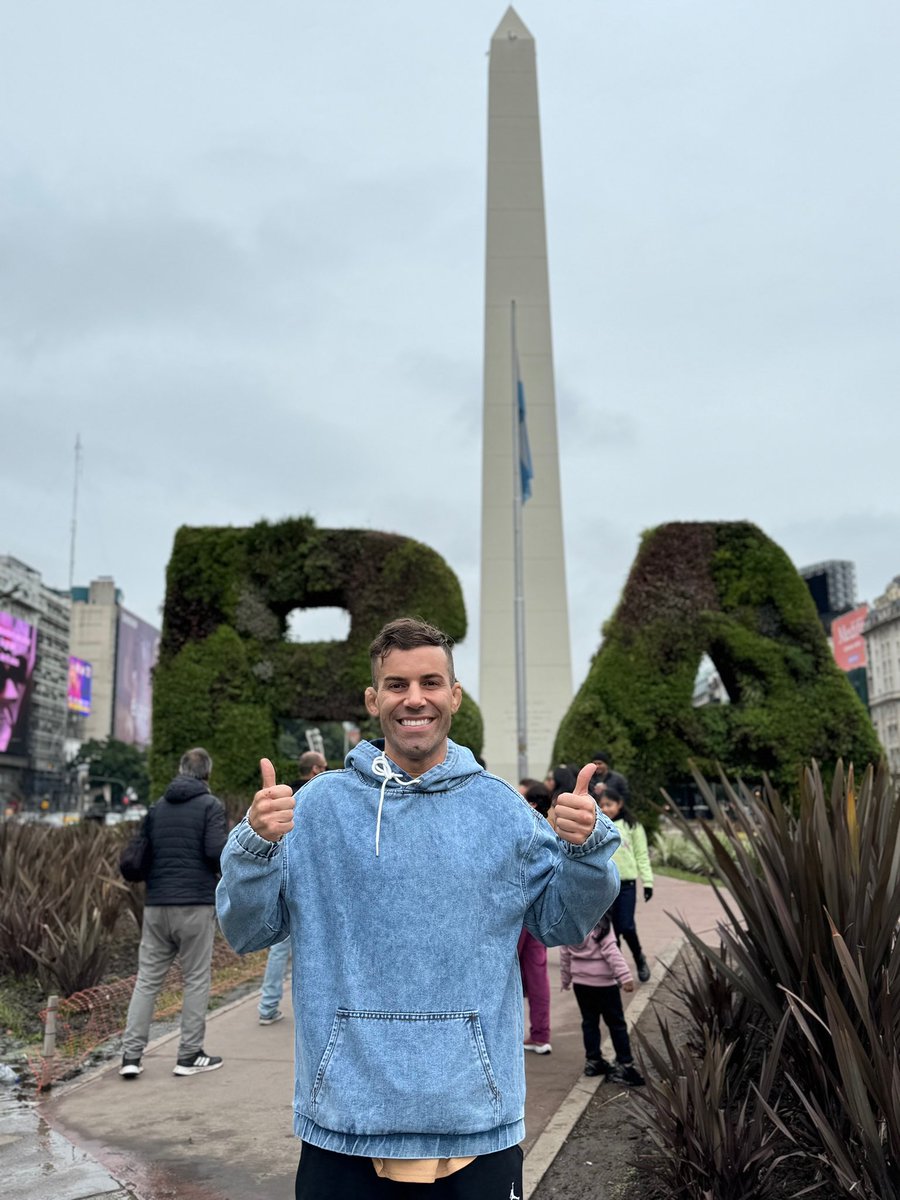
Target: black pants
point(622, 916)
point(324, 1175)
point(605, 1002)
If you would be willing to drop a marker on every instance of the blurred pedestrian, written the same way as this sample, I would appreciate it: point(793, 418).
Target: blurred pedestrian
point(310, 764)
point(596, 970)
point(539, 798)
point(633, 861)
point(187, 830)
point(610, 778)
point(533, 956)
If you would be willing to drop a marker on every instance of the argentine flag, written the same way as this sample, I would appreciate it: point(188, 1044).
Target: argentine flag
point(525, 469)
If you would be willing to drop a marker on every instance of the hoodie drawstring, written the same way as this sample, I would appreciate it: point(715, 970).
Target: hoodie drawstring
point(382, 768)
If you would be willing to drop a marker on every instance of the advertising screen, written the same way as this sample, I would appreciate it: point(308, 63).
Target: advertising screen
point(18, 648)
point(79, 695)
point(136, 652)
point(847, 639)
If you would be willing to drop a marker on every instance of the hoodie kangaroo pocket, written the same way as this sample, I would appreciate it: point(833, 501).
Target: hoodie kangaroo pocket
point(405, 1073)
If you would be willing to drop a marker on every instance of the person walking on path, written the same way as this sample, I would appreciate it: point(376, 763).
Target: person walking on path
point(596, 970)
point(310, 764)
point(187, 831)
point(533, 954)
point(536, 986)
point(404, 881)
point(633, 862)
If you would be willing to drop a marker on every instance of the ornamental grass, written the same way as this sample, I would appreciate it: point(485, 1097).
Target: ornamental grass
point(788, 1082)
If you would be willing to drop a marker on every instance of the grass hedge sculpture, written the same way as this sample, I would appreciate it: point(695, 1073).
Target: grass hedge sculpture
point(226, 675)
point(727, 589)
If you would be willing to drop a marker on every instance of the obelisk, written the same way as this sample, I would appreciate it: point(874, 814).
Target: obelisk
point(516, 280)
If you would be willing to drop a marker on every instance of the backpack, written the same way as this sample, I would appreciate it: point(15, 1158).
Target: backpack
point(136, 858)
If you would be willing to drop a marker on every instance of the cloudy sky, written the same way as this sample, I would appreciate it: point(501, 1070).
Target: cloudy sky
point(241, 254)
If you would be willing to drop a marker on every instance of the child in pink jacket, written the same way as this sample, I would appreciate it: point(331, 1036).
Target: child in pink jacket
point(597, 970)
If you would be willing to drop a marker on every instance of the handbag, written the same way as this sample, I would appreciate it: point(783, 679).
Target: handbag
point(136, 858)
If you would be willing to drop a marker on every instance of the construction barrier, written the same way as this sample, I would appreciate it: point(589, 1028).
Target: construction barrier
point(88, 1019)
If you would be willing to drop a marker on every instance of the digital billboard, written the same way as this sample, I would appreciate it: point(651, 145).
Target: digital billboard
point(137, 647)
point(847, 639)
point(18, 649)
point(79, 694)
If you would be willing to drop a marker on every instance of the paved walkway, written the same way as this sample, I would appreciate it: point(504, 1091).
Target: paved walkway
point(227, 1135)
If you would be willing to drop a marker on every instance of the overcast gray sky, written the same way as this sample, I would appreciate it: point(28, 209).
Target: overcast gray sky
point(241, 252)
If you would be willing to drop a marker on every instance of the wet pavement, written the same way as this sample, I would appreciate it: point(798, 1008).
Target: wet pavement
point(40, 1164)
point(227, 1134)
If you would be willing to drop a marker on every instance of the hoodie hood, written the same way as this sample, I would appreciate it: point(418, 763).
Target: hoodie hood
point(184, 788)
point(369, 760)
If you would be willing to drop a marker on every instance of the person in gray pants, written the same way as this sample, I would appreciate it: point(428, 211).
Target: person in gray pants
point(187, 831)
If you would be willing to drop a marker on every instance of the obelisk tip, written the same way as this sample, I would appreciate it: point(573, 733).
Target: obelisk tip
point(511, 27)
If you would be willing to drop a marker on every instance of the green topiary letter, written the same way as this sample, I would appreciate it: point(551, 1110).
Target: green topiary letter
point(727, 589)
point(226, 675)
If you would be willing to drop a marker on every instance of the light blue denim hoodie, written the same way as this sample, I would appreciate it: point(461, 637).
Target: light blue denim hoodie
point(404, 901)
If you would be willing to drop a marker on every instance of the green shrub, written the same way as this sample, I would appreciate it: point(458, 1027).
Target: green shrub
point(227, 679)
point(673, 848)
point(728, 590)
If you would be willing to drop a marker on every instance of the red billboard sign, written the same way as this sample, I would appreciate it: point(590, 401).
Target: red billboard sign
point(847, 639)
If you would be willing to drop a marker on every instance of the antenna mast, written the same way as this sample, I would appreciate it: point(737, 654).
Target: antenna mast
point(74, 511)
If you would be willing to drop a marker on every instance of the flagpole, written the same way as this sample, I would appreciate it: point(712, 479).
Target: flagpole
point(518, 557)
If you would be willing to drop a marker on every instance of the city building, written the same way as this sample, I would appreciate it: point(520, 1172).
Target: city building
point(34, 673)
point(708, 685)
point(832, 585)
point(882, 635)
point(122, 650)
point(94, 625)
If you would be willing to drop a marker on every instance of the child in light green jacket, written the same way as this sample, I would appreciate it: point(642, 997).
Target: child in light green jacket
point(633, 861)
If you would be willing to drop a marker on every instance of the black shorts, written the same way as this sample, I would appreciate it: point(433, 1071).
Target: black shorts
point(324, 1175)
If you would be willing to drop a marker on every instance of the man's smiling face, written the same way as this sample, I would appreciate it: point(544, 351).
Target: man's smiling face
point(414, 700)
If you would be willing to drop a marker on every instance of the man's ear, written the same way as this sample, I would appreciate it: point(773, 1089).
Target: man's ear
point(371, 702)
point(456, 695)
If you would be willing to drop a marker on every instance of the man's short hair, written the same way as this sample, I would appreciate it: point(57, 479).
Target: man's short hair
point(602, 756)
point(195, 763)
point(408, 633)
point(307, 760)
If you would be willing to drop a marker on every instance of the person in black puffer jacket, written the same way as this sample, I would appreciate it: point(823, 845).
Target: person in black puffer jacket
point(187, 830)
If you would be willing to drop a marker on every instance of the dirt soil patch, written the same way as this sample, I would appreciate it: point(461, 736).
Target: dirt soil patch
point(609, 1155)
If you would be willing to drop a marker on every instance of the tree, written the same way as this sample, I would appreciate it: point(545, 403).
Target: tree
point(120, 765)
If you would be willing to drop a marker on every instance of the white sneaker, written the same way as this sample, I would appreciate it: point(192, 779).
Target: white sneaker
point(538, 1047)
point(130, 1068)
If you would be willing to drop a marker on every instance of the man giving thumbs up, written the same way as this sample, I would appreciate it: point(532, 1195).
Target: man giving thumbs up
point(271, 814)
point(404, 881)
